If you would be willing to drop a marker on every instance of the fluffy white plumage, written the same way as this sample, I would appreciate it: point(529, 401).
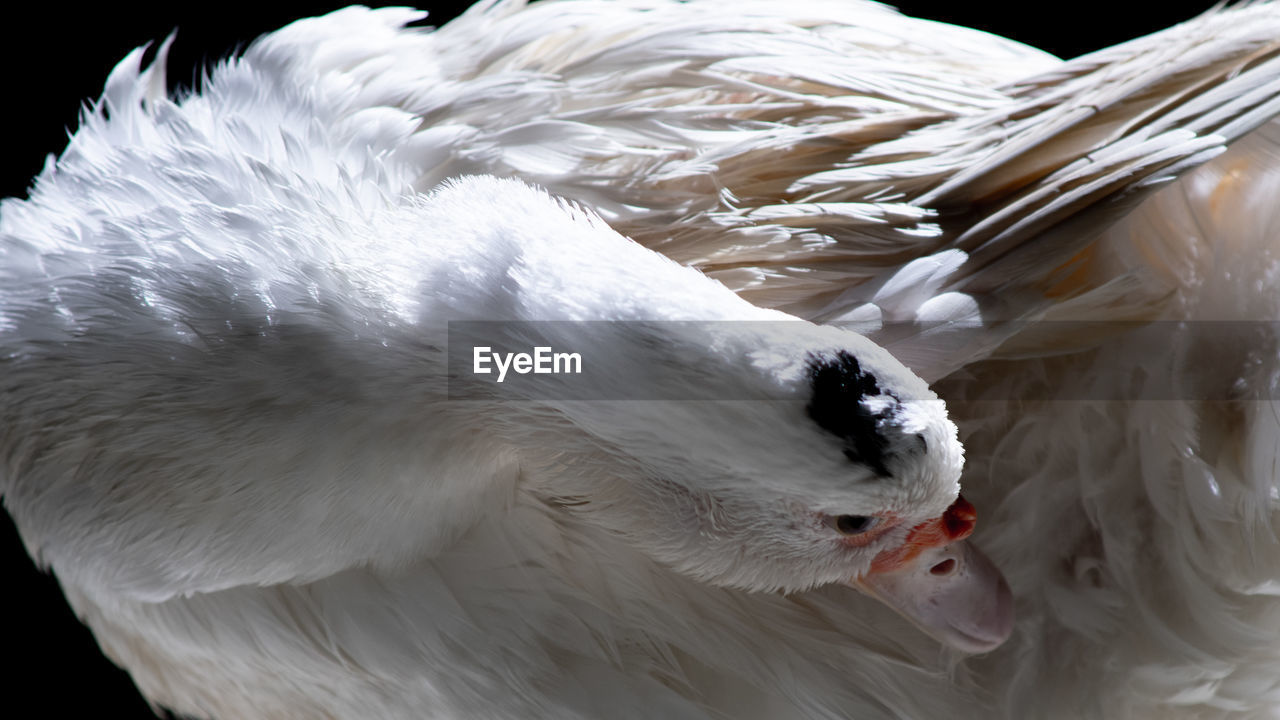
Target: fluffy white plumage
point(217, 313)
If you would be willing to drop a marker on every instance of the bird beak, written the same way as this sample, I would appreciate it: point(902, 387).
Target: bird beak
point(943, 585)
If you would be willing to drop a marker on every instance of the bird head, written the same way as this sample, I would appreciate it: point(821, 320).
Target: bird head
point(795, 456)
point(740, 446)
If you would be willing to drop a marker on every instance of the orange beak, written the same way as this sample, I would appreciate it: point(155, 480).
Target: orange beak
point(955, 524)
point(943, 585)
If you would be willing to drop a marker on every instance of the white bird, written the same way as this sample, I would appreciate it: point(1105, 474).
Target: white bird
point(228, 425)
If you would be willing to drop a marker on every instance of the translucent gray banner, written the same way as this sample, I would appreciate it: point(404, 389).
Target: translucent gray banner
point(664, 360)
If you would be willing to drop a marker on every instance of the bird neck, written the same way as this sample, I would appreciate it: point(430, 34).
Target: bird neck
point(545, 259)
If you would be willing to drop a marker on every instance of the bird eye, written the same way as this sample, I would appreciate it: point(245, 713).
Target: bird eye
point(853, 524)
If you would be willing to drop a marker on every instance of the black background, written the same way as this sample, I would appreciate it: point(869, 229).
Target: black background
point(52, 58)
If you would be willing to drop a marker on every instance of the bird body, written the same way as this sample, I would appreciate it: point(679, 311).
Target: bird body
point(227, 416)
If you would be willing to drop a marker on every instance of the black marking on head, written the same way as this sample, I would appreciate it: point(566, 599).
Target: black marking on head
point(840, 386)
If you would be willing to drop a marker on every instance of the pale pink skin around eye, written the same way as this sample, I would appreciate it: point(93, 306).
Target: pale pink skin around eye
point(887, 522)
